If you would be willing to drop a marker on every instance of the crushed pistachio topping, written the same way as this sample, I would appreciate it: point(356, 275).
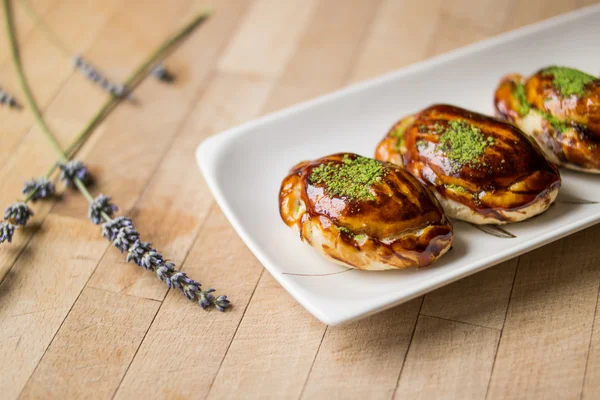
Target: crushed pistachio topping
point(521, 97)
point(352, 178)
point(421, 143)
point(569, 81)
point(456, 188)
point(463, 143)
point(399, 129)
point(347, 231)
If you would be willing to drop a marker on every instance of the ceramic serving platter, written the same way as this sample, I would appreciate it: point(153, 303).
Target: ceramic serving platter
point(244, 167)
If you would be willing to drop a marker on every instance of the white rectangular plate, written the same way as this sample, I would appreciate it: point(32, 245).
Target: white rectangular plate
point(244, 166)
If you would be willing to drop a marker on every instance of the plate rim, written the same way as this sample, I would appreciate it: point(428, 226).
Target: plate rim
point(208, 153)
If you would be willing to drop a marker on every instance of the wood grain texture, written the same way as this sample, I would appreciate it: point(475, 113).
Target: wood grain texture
point(343, 368)
point(546, 336)
point(76, 321)
point(591, 386)
point(184, 348)
point(93, 348)
point(479, 299)
point(264, 52)
point(442, 355)
point(38, 293)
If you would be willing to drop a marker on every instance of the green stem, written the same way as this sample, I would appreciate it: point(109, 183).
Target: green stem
point(28, 95)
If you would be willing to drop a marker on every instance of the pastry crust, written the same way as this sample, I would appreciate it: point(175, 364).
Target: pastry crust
point(401, 225)
point(567, 128)
point(509, 180)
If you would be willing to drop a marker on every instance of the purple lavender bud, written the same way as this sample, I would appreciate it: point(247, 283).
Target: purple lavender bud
point(18, 213)
point(7, 230)
point(137, 250)
point(40, 188)
point(221, 303)
point(72, 170)
point(112, 227)
point(100, 205)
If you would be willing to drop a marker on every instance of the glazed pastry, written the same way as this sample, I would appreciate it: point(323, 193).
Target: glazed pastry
point(560, 108)
point(363, 213)
point(482, 170)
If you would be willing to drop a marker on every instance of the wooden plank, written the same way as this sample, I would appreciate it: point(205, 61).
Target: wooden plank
point(357, 350)
point(92, 350)
point(448, 360)
point(401, 34)
point(267, 346)
point(324, 52)
point(528, 12)
point(188, 343)
point(47, 69)
point(38, 293)
point(455, 32)
point(267, 37)
point(480, 299)
point(182, 216)
point(24, 25)
point(487, 15)
point(546, 335)
point(591, 384)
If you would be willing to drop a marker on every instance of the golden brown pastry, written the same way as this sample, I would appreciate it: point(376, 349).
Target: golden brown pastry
point(560, 108)
point(363, 213)
point(482, 170)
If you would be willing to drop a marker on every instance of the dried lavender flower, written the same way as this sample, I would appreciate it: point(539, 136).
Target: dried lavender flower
point(112, 227)
point(137, 250)
point(18, 213)
point(101, 205)
point(72, 170)
point(125, 238)
point(221, 303)
point(40, 188)
point(8, 100)
point(7, 230)
point(160, 72)
point(90, 72)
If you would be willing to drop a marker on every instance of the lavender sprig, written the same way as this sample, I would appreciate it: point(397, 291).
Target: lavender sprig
point(8, 100)
point(72, 170)
point(94, 75)
point(37, 189)
point(101, 204)
point(18, 213)
point(7, 230)
point(125, 237)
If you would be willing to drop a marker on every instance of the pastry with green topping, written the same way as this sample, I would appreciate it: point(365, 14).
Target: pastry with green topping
point(364, 213)
point(559, 107)
point(482, 170)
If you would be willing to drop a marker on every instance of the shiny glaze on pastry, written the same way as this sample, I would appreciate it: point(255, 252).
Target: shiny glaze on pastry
point(382, 219)
point(482, 169)
point(560, 108)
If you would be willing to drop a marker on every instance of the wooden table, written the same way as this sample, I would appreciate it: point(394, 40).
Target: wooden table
point(77, 321)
